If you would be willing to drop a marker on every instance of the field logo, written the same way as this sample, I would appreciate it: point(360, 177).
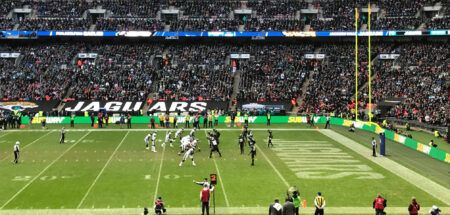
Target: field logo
point(20, 106)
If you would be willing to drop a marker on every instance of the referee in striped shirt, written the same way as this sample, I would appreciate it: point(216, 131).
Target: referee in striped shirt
point(319, 202)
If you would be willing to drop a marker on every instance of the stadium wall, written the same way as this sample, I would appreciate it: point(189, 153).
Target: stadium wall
point(435, 153)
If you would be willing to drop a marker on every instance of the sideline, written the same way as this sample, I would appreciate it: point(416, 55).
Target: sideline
point(438, 191)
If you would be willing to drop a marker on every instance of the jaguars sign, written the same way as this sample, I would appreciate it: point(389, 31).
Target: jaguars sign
point(18, 106)
point(33, 106)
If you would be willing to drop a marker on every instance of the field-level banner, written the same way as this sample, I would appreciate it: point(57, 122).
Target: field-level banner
point(366, 126)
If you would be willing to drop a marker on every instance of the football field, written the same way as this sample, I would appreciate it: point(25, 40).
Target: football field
point(109, 171)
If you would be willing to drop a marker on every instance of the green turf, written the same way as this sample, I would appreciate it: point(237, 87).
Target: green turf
point(425, 138)
point(437, 171)
point(131, 175)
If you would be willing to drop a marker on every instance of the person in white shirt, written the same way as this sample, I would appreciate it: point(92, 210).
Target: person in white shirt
point(154, 141)
point(168, 139)
point(16, 152)
point(188, 154)
point(374, 147)
point(147, 140)
point(178, 133)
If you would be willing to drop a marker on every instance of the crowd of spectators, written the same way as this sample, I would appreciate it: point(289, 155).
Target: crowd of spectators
point(120, 72)
point(275, 72)
point(134, 24)
point(54, 24)
point(274, 25)
point(420, 76)
point(398, 23)
point(204, 24)
point(438, 23)
point(41, 75)
point(267, 15)
point(195, 72)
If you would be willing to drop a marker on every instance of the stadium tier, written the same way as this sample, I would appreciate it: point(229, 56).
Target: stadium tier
point(139, 106)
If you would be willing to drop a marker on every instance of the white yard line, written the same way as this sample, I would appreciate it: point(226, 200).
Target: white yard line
point(42, 172)
point(5, 134)
point(273, 166)
point(220, 178)
point(101, 171)
point(438, 191)
point(196, 210)
point(159, 172)
point(29, 144)
point(163, 129)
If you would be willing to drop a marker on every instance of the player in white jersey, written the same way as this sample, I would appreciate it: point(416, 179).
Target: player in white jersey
point(147, 140)
point(189, 154)
point(185, 141)
point(179, 133)
point(154, 141)
point(168, 139)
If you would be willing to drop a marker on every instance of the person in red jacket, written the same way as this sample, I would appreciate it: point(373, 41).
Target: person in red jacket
point(414, 207)
point(205, 193)
point(379, 204)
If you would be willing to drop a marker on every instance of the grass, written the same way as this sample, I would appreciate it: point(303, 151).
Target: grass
point(112, 169)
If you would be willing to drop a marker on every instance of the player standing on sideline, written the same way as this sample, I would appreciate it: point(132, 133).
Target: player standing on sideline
point(154, 141)
point(327, 124)
point(188, 154)
point(63, 135)
point(252, 150)
point(319, 202)
point(16, 152)
point(374, 147)
point(168, 139)
point(311, 120)
point(269, 140)
point(178, 133)
point(241, 143)
point(147, 140)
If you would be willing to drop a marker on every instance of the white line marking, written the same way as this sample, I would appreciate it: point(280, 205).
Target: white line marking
point(42, 172)
point(438, 191)
point(273, 167)
point(194, 210)
point(220, 178)
point(140, 129)
point(101, 171)
point(28, 144)
point(159, 173)
point(4, 135)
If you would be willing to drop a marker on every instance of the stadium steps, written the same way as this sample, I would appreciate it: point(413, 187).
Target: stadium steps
point(236, 83)
point(304, 89)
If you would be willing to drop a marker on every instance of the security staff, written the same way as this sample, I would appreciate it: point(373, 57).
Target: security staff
point(187, 120)
point(319, 202)
point(16, 152)
point(72, 120)
point(379, 204)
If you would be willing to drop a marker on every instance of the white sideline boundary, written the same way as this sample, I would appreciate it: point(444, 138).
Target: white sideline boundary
point(438, 191)
point(29, 144)
point(219, 210)
point(101, 171)
point(42, 172)
point(163, 129)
